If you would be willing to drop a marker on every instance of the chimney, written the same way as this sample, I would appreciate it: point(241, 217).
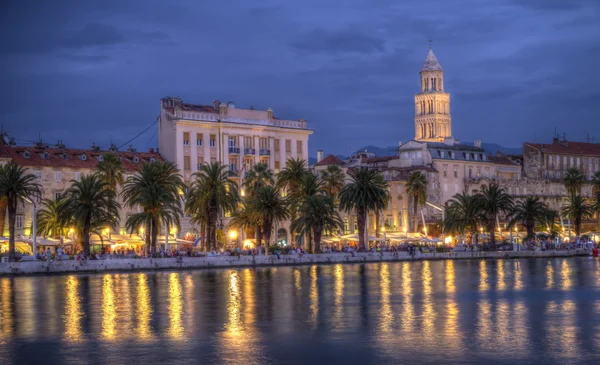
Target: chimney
point(113, 148)
point(449, 141)
point(319, 155)
point(60, 145)
point(151, 150)
point(223, 108)
point(216, 104)
point(94, 147)
point(477, 143)
point(269, 113)
point(499, 154)
point(555, 140)
point(399, 143)
point(131, 149)
point(231, 104)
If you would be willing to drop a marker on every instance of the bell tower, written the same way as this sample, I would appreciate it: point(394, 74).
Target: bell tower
point(432, 105)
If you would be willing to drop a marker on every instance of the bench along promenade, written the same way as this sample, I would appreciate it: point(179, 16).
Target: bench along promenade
point(176, 263)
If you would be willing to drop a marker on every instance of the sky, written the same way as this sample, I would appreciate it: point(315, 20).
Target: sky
point(94, 71)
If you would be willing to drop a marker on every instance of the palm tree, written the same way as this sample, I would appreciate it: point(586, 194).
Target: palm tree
point(549, 221)
point(111, 170)
point(16, 185)
point(317, 213)
point(49, 219)
point(494, 200)
point(215, 194)
point(573, 181)
point(416, 187)
point(528, 212)
point(577, 210)
point(366, 192)
point(309, 186)
point(92, 204)
point(156, 188)
point(333, 179)
point(289, 179)
point(596, 193)
point(463, 214)
point(257, 177)
point(265, 208)
point(3, 206)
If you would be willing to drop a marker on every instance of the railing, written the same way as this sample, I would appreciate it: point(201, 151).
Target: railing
point(265, 152)
point(234, 150)
point(249, 151)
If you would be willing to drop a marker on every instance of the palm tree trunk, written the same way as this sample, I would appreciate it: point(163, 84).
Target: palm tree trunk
point(415, 215)
point(154, 235)
point(259, 236)
point(203, 236)
point(12, 216)
point(267, 227)
point(3, 207)
point(530, 227)
point(377, 223)
point(212, 239)
point(360, 219)
point(86, 235)
point(293, 234)
point(147, 237)
point(492, 228)
point(317, 233)
point(577, 224)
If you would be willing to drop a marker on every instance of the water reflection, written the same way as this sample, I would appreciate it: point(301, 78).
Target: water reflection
point(108, 308)
point(143, 309)
point(447, 312)
point(73, 313)
point(175, 307)
point(314, 297)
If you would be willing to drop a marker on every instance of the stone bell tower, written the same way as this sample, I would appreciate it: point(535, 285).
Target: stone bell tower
point(432, 105)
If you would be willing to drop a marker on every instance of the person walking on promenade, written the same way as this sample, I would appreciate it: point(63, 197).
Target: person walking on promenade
point(48, 255)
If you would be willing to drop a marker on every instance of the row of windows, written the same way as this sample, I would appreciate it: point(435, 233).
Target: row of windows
point(58, 175)
point(233, 142)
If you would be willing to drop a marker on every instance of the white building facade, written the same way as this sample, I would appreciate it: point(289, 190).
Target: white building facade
point(192, 134)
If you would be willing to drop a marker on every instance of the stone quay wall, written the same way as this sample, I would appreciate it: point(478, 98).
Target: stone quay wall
point(114, 265)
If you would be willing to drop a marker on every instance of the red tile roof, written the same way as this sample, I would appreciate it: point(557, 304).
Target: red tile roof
point(70, 158)
point(330, 160)
point(568, 148)
point(501, 160)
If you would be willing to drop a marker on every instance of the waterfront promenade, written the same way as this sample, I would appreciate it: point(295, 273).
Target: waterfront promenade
point(110, 265)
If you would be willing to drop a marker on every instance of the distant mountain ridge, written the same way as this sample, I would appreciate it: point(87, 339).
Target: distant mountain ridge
point(490, 148)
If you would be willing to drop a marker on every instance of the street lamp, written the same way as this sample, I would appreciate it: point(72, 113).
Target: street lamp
point(34, 228)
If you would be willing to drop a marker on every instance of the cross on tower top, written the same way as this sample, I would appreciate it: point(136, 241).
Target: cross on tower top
point(430, 41)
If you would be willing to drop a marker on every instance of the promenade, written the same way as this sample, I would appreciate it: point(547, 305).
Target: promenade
point(114, 265)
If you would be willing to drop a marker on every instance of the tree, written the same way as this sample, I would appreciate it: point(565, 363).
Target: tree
point(3, 206)
point(111, 170)
point(257, 177)
point(573, 181)
point(49, 219)
point(91, 204)
point(494, 200)
point(16, 185)
point(416, 187)
point(549, 221)
point(310, 185)
point(215, 194)
point(463, 214)
point(333, 180)
point(596, 193)
point(528, 212)
point(317, 213)
point(156, 188)
point(366, 192)
point(265, 208)
point(577, 210)
point(289, 179)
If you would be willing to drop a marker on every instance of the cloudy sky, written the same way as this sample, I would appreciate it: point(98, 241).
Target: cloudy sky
point(91, 71)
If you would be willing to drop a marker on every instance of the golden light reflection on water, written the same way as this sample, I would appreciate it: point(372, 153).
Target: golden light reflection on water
point(143, 309)
point(428, 311)
point(386, 316)
point(249, 302)
point(452, 333)
point(298, 281)
point(190, 303)
point(518, 275)
point(6, 315)
point(562, 327)
point(549, 275)
point(501, 275)
point(26, 294)
point(483, 276)
point(73, 313)
point(565, 273)
point(338, 296)
point(314, 297)
point(175, 307)
point(408, 311)
point(484, 323)
point(234, 306)
point(520, 331)
point(502, 334)
point(108, 308)
point(124, 307)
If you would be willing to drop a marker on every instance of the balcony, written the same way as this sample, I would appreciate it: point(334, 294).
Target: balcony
point(249, 151)
point(234, 150)
point(265, 152)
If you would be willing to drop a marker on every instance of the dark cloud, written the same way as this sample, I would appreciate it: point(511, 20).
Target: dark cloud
point(343, 40)
point(88, 72)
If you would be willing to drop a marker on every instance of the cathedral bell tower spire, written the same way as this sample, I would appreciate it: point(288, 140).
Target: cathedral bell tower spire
point(432, 105)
